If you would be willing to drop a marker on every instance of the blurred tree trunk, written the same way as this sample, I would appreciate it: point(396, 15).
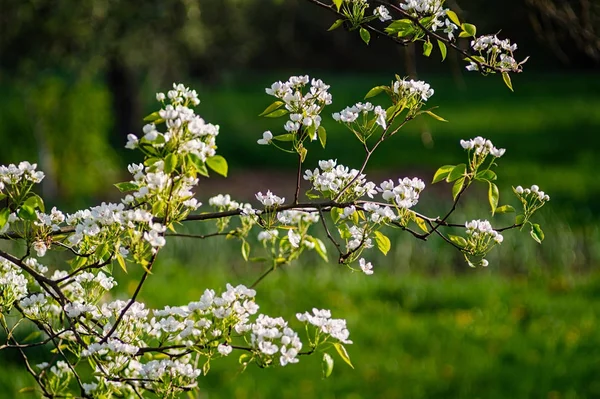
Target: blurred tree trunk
point(124, 88)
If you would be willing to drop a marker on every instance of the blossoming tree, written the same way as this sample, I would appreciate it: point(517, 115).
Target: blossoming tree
point(103, 348)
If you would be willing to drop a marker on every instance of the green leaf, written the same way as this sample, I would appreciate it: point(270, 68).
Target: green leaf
point(2, 196)
point(486, 175)
point(35, 201)
point(126, 186)
point(505, 209)
point(320, 248)
point(507, 81)
point(341, 350)
point(152, 117)
point(284, 137)
point(245, 250)
point(375, 91)
point(520, 219)
point(457, 187)
point(365, 35)
point(32, 336)
point(338, 3)
point(427, 47)
point(27, 213)
point(469, 29)
point(383, 242)
point(458, 240)
point(443, 49)
point(4, 213)
point(434, 116)
point(27, 389)
point(322, 133)
point(170, 163)
point(456, 173)
point(121, 261)
point(302, 152)
point(453, 17)
point(421, 223)
point(218, 164)
point(335, 214)
point(271, 108)
point(442, 173)
point(327, 365)
point(493, 196)
point(277, 113)
point(336, 24)
point(537, 233)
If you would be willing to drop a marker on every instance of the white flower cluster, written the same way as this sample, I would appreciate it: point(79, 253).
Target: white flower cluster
point(351, 114)
point(482, 147)
point(405, 195)
point(483, 229)
point(497, 52)
point(38, 307)
point(152, 181)
point(13, 285)
point(269, 199)
point(533, 192)
point(365, 266)
point(382, 13)
point(415, 90)
point(435, 8)
point(481, 238)
point(304, 108)
point(332, 178)
point(13, 174)
point(51, 221)
point(186, 132)
point(321, 318)
point(357, 237)
point(101, 223)
point(271, 336)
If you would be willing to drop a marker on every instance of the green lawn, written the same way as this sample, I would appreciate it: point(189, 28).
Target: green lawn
point(472, 336)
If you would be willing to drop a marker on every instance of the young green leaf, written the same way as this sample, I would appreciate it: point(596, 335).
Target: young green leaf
point(537, 233)
point(126, 186)
point(458, 240)
point(276, 113)
point(427, 47)
point(218, 164)
point(341, 350)
point(170, 163)
point(383, 242)
point(442, 173)
point(338, 3)
point(459, 171)
point(35, 201)
point(453, 17)
point(284, 137)
point(375, 91)
point(469, 29)
point(493, 196)
point(152, 117)
point(322, 133)
point(245, 250)
point(505, 209)
point(336, 25)
point(320, 248)
point(435, 116)
point(365, 35)
point(507, 81)
point(421, 223)
point(4, 213)
point(443, 49)
point(121, 261)
point(327, 365)
point(457, 187)
point(271, 108)
point(486, 175)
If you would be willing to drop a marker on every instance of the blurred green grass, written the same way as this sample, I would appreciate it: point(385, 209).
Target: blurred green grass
point(475, 336)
